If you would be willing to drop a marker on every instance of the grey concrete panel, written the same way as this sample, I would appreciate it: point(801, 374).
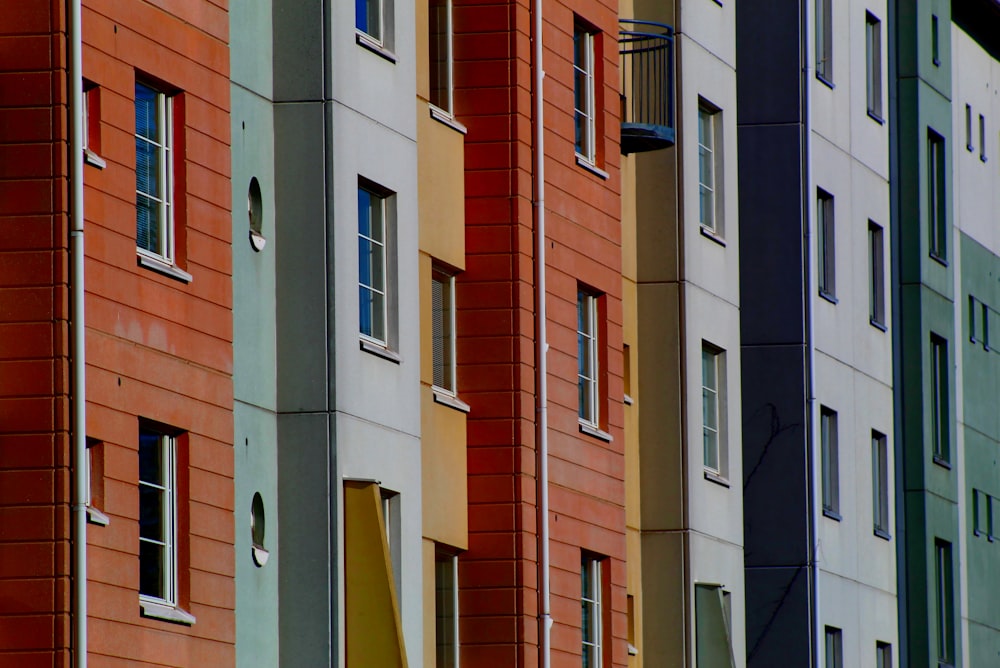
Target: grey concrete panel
point(250, 45)
point(775, 462)
point(298, 49)
point(769, 71)
point(771, 272)
point(778, 617)
point(301, 257)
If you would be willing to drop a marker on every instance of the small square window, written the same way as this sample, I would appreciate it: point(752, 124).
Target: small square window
point(873, 55)
point(826, 239)
point(830, 463)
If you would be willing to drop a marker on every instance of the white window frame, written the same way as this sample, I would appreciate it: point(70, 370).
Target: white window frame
point(591, 597)
point(162, 145)
point(168, 516)
point(880, 484)
point(588, 369)
point(584, 120)
point(446, 610)
point(447, 59)
point(709, 167)
point(829, 462)
point(367, 285)
point(712, 400)
point(443, 327)
point(378, 34)
point(826, 239)
point(873, 62)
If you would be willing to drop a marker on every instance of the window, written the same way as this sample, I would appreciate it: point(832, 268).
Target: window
point(945, 611)
point(94, 472)
point(443, 330)
point(587, 357)
point(968, 128)
point(834, 648)
point(876, 276)
point(982, 137)
point(441, 61)
point(880, 484)
point(940, 428)
point(369, 19)
point(154, 184)
point(584, 94)
point(937, 211)
point(713, 408)
point(824, 40)
point(446, 608)
point(935, 42)
point(372, 261)
point(157, 516)
point(826, 238)
point(713, 626)
point(829, 462)
point(591, 626)
point(709, 167)
point(982, 514)
point(873, 41)
point(883, 655)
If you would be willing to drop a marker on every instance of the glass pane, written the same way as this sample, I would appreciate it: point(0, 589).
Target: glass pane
point(146, 112)
point(378, 316)
point(151, 565)
point(147, 167)
point(151, 513)
point(364, 261)
point(151, 457)
point(147, 223)
point(365, 310)
point(364, 212)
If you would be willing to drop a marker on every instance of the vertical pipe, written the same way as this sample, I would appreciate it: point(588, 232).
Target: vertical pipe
point(78, 336)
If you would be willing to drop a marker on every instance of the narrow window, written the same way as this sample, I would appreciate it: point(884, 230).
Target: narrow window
point(873, 41)
point(968, 128)
point(977, 514)
point(709, 167)
point(935, 42)
point(157, 517)
point(937, 211)
point(443, 330)
point(824, 40)
point(372, 283)
point(945, 625)
point(876, 276)
point(829, 462)
point(883, 655)
point(982, 137)
point(713, 626)
point(446, 608)
point(587, 357)
point(712, 401)
point(826, 238)
point(940, 427)
point(369, 19)
point(592, 611)
point(880, 484)
point(583, 93)
point(834, 646)
point(989, 517)
point(441, 59)
point(154, 186)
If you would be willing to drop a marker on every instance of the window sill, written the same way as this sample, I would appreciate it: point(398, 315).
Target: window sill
point(878, 325)
point(983, 159)
point(446, 398)
point(882, 533)
point(970, 148)
point(163, 610)
point(939, 259)
point(380, 351)
point(714, 477)
point(596, 432)
point(826, 82)
point(829, 297)
point(95, 516)
point(937, 62)
point(367, 41)
point(260, 555)
point(628, 400)
point(160, 266)
point(591, 167)
point(942, 462)
point(93, 159)
point(442, 116)
point(709, 233)
point(876, 117)
point(832, 514)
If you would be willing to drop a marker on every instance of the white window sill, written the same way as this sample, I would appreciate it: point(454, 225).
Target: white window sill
point(163, 610)
point(95, 516)
point(628, 400)
point(162, 266)
point(442, 116)
point(709, 233)
point(93, 159)
point(373, 45)
point(260, 555)
point(446, 398)
point(712, 476)
point(593, 430)
point(380, 350)
point(591, 167)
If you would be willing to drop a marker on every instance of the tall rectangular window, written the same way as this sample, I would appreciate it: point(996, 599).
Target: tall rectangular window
point(880, 484)
point(982, 137)
point(587, 357)
point(369, 19)
point(443, 329)
point(709, 167)
point(968, 128)
point(834, 646)
point(829, 461)
point(591, 626)
point(883, 655)
point(876, 275)
point(157, 516)
point(935, 42)
point(441, 59)
point(824, 40)
point(372, 275)
point(826, 254)
point(584, 94)
point(873, 54)
point(945, 606)
point(937, 206)
point(154, 184)
point(446, 608)
point(712, 402)
point(940, 423)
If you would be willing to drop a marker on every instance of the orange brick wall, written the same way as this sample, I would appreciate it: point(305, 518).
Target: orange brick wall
point(499, 577)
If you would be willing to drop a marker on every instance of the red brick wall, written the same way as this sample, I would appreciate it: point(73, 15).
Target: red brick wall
point(499, 578)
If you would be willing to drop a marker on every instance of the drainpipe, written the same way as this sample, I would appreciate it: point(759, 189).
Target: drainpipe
point(541, 352)
point(78, 338)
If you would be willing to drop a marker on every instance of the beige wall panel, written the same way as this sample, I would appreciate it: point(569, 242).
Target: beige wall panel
point(445, 491)
point(441, 184)
point(663, 599)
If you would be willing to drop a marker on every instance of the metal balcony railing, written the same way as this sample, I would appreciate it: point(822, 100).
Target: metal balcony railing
point(647, 52)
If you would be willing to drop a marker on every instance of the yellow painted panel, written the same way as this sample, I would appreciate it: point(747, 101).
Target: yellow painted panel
point(441, 186)
point(374, 628)
point(430, 597)
point(444, 470)
point(426, 324)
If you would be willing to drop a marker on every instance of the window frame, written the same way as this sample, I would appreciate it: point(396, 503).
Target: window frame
point(880, 485)
point(164, 147)
point(592, 638)
point(167, 516)
point(883, 654)
point(710, 203)
point(829, 462)
point(585, 130)
point(823, 21)
point(378, 335)
point(833, 645)
point(378, 37)
point(588, 355)
point(982, 138)
point(447, 314)
point(712, 402)
point(944, 608)
point(826, 248)
point(443, 38)
point(873, 66)
point(446, 609)
point(937, 203)
point(940, 401)
point(876, 275)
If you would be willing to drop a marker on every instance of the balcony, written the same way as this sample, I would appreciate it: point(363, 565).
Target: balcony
point(647, 65)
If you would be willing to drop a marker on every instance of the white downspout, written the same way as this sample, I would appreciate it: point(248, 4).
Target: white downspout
point(78, 338)
point(541, 351)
